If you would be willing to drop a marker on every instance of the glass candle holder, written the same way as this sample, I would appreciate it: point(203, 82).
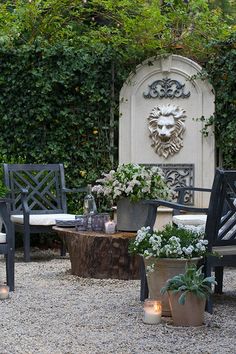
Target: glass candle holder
point(81, 222)
point(152, 311)
point(4, 292)
point(98, 221)
point(110, 227)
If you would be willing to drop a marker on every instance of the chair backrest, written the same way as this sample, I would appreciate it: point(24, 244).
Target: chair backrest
point(221, 216)
point(44, 183)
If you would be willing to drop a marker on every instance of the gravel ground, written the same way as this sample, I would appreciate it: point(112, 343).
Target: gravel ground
point(53, 312)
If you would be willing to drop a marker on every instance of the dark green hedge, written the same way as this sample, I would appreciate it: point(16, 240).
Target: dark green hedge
point(55, 106)
point(221, 71)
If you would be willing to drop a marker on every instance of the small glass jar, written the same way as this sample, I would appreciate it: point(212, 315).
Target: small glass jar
point(110, 227)
point(81, 223)
point(98, 221)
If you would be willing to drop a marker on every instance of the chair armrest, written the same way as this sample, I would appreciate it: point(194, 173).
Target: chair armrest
point(198, 189)
point(75, 190)
point(5, 200)
point(173, 205)
point(181, 192)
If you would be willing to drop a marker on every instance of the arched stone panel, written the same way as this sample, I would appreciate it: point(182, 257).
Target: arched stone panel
point(159, 83)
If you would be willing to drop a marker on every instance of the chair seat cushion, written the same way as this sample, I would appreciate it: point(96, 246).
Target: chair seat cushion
point(190, 219)
point(2, 237)
point(225, 250)
point(42, 219)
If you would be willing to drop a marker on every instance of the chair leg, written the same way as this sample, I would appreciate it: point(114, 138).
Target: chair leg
point(219, 271)
point(63, 247)
point(10, 270)
point(207, 273)
point(144, 286)
point(209, 306)
point(26, 238)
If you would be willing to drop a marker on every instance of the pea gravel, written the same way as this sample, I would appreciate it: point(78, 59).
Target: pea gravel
point(53, 312)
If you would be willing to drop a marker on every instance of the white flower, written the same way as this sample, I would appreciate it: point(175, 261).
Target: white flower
point(189, 250)
point(132, 180)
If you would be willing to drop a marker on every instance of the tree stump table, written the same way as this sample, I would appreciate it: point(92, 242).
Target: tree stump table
point(99, 255)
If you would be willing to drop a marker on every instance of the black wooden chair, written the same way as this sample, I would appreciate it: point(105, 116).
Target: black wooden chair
point(7, 247)
point(220, 228)
point(38, 195)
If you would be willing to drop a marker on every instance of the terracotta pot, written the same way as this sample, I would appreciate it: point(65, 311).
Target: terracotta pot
point(131, 216)
point(164, 269)
point(189, 314)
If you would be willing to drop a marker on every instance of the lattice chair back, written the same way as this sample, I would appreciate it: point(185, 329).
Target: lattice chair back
point(44, 183)
point(221, 219)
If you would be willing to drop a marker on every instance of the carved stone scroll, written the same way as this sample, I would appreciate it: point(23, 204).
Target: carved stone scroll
point(166, 88)
point(179, 175)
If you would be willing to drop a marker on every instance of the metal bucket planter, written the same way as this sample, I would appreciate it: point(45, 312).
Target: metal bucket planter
point(164, 269)
point(131, 216)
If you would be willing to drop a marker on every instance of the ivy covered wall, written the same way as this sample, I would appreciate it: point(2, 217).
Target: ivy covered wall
point(221, 71)
point(55, 107)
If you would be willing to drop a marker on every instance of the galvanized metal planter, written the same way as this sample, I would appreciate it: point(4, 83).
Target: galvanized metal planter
point(131, 216)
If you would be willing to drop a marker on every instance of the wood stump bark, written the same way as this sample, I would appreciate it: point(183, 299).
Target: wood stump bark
point(99, 255)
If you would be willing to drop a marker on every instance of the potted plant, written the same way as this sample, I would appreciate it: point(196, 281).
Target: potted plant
point(166, 253)
point(127, 186)
point(188, 293)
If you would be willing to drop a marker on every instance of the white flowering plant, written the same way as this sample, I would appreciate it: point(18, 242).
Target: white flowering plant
point(133, 181)
point(171, 242)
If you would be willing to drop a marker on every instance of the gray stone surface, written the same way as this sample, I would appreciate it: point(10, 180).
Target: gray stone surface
point(195, 98)
point(53, 312)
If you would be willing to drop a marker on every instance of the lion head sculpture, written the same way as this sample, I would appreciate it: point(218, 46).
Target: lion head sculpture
point(166, 126)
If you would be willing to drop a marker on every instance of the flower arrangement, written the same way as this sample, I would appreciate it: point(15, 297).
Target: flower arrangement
point(133, 181)
point(171, 242)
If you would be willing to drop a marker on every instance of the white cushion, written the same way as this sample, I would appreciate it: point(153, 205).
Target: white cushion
point(2, 237)
point(42, 219)
point(189, 219)
point(225, 250)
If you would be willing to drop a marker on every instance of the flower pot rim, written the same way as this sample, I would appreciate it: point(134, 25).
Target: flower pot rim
point(173, 292)
point(172, 259)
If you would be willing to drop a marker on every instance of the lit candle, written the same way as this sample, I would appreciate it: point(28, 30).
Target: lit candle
point(110, 227)
point(152, 311)
point(4, 292)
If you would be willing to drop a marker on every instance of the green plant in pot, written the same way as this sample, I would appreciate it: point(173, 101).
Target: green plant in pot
point(166, 253)
point(127, 186)
point(188, 293)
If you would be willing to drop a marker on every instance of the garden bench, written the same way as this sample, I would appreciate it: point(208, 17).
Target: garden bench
point(220, 227)
point(38, 195)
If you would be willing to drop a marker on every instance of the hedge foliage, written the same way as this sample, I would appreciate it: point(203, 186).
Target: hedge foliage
point(221, 71)
point(55, 106)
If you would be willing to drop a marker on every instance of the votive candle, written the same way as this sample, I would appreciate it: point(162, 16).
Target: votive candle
point(4, 292)
point(152, 311)
point(110, 227)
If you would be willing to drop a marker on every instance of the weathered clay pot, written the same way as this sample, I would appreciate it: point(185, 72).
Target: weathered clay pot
point(164, 269)
point(189, 314)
